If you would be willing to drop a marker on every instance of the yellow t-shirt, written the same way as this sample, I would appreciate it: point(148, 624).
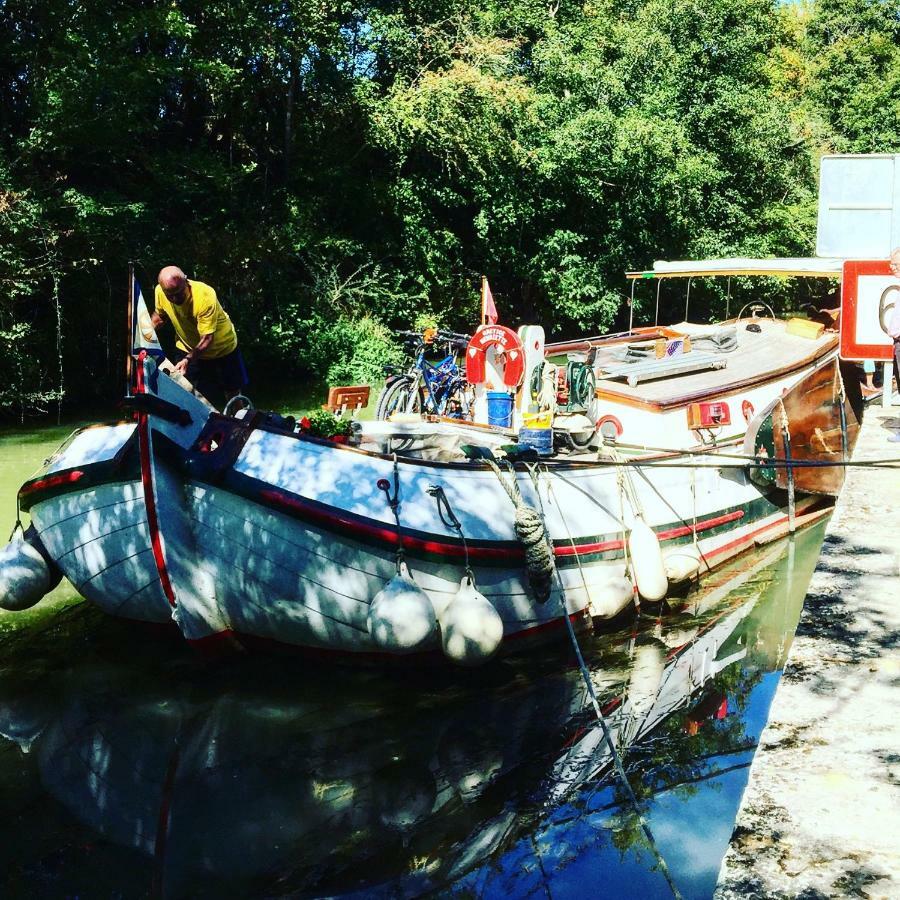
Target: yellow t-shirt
point(201, 314)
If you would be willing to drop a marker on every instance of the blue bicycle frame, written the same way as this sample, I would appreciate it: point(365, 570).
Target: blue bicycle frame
point(442, 380)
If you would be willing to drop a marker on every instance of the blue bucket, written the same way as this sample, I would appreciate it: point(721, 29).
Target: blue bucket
point(539, 438)
point(500, 408)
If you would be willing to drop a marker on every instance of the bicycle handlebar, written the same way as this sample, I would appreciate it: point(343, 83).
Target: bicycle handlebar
point(453, 336)
point(457, 341)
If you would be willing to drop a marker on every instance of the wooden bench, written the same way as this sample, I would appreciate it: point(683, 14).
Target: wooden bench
point(353, 397)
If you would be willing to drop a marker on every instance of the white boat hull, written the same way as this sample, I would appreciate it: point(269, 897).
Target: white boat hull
point(238, 528)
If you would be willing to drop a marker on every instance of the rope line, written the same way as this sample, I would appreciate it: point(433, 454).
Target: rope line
point(601, 719)
point(755, 462)
point(531, 532)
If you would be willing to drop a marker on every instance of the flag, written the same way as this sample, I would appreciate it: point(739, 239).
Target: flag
point(142, 330)
point(488, 310)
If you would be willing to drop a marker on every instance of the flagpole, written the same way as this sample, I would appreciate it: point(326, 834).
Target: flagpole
point(129, 346)
point(483, 298)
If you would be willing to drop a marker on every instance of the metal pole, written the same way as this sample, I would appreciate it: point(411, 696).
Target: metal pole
point(841, 398)
point(658, 286)
point(687, 300)
point(129, 340)
point(786, 437)
point(631, 305)
point(728, 299)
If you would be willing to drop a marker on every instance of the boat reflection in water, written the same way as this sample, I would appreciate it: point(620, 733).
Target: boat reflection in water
point(270, 778)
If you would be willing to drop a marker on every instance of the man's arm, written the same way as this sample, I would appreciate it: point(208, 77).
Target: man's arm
point(202, 344)
point(156, 319)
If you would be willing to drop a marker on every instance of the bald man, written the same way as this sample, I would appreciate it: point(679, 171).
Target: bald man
point(206, 343)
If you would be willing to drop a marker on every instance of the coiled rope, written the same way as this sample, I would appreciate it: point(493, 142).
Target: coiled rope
point(531, 533)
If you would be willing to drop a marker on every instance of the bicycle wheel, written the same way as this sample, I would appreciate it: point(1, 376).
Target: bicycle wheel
point(400, 396)
point(458, 404)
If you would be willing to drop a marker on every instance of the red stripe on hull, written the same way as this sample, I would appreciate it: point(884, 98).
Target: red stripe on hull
point(388, 535)
point(51, 482)
point(384, 533)
point(704, 525)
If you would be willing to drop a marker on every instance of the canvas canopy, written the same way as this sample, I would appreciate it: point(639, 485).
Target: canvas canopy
point(810, 267)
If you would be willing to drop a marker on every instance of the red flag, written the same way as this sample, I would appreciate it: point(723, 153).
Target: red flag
point(488, 310)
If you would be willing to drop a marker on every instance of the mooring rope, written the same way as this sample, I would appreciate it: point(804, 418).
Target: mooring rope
point(592, 694)
point(750, 461)
point(753, 462)
point(532, 535)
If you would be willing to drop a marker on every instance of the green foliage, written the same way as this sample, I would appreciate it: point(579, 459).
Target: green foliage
point(853, 47)
point(24, 387)
point(325, 424)
point(359, 350)
point(337, 170)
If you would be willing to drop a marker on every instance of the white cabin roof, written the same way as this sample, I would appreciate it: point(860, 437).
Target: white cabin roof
point(809, 267)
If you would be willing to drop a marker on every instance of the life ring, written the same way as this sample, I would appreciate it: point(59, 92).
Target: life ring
point(508, 343)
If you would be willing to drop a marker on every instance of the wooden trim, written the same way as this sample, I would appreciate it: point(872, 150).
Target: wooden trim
point(644, 333)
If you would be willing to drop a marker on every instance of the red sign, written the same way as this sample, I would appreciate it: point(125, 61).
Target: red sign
point(868, 294)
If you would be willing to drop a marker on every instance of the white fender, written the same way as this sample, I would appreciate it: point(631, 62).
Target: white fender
point(647, 667)
point(646, 557)
point(401, 618)
point(681, 563)
point(610, 597)
point(24, 575)
point(471, 629)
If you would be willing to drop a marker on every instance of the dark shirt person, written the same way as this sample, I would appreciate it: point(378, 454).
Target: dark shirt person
point(206, 344)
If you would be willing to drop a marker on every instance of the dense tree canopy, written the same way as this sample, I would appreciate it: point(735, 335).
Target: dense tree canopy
point(335, 170)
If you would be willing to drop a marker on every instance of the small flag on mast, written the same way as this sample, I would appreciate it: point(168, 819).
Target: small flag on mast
point(142, 330)
point(488, 309)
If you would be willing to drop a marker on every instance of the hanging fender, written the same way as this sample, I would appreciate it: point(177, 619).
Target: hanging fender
point(507, 342)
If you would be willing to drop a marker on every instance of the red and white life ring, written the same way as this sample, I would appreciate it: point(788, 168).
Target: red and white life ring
point(507, 342)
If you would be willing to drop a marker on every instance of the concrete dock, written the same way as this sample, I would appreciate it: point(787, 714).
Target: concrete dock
point(821, 813)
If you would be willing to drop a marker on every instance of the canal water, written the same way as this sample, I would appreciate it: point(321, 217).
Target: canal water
point(129, 768)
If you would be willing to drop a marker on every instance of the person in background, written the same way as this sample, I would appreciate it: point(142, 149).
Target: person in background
point(869, 371)
point(206, 344)
point(894, 330)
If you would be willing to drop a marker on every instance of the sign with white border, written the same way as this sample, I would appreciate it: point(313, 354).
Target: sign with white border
point(869, 292)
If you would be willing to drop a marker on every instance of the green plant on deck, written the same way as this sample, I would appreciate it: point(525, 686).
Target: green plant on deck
point(325, 424)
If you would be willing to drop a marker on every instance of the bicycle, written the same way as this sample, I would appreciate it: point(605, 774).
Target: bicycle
point(427, 388)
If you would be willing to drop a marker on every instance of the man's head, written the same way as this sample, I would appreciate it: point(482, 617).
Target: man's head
point(174, 284)
point(895, 261)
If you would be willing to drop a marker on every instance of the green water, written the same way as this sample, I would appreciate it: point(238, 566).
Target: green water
point(130, 768)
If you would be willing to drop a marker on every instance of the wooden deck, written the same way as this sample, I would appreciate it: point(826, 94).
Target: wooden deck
point(759, 357)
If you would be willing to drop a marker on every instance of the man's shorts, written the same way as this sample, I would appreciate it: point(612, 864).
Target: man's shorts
point(227, 373)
